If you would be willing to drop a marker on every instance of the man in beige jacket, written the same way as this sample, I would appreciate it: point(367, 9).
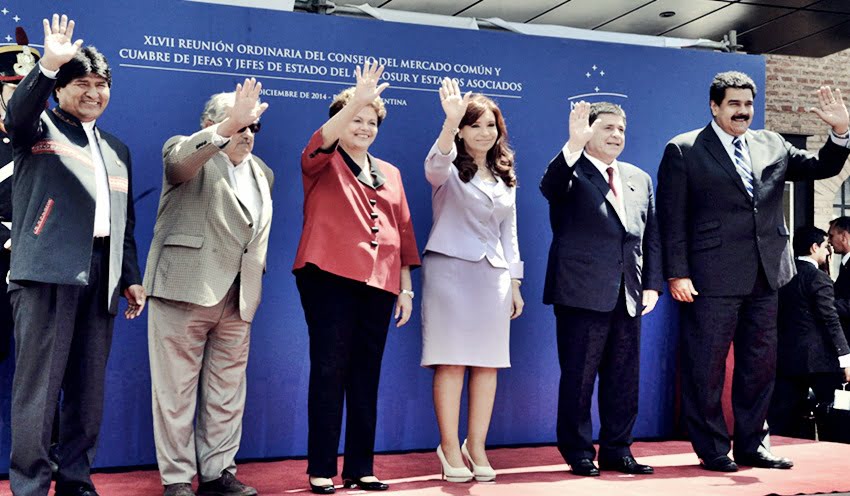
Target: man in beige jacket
point(204, 278)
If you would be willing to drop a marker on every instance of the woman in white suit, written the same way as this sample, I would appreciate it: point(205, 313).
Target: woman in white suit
point(471, 273)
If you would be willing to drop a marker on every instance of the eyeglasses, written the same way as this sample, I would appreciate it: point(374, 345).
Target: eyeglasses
point(255, 128)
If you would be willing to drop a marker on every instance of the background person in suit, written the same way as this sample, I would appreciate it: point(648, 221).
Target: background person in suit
point(604, 273)
point(720, 192)
point(356, 251)
point(72, 195)
point(839, 239)
point(812, 351)
point(204, 276)
point(471, 273)
point(16, 61)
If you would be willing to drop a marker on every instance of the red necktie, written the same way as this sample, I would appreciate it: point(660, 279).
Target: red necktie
point(615, 188)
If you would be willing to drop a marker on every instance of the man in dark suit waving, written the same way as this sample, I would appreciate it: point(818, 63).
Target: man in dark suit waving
point(604, 272)
point(812, 349)
point(726, 253)
point(73, 254)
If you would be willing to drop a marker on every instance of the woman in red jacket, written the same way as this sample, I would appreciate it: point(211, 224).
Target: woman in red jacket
point(353, 265)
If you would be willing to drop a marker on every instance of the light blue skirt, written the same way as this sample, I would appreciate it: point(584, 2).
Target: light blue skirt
point(466, 312)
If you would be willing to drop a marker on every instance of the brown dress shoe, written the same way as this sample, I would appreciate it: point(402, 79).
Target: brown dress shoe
point(226, 485)
point(179, 489)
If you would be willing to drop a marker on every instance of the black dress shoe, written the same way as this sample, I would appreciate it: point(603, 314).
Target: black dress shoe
point(76, 491)
point(178, 489)
point(720, 464)
point(763, 459)
point(327, 489)
point(366, 486)
point(226, 485)
point(627, 465)
point(585, 467)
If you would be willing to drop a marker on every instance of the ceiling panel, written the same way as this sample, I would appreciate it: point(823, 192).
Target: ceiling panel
point(738, 16)
point(796, 4)
point(511, 10)
point(588, 13)
point(824, 43)
point(442, 7)
point(832, 6)
point(648, 20)
point(788, 29)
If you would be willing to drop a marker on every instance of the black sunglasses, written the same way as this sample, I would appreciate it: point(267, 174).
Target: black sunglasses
point(255, 128)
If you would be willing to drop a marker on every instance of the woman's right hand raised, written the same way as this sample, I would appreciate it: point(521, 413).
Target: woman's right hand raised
point(454, 105)
point(367, 88)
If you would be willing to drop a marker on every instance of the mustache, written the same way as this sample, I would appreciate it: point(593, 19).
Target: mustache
point(741, 117)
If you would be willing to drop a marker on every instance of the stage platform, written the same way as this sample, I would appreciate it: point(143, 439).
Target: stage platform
point(819, 468)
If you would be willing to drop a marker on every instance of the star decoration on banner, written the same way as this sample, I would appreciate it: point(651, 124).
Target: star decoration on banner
point(596, 92)
point(8, 38)
point(4, 11)
point(16, 18)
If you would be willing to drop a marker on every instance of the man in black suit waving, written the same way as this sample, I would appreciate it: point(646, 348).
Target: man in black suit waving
point(812, 349)
point(726, 253)
point(604, 272)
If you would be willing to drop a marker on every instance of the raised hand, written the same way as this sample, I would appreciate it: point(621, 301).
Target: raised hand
point(245, 109)
point(367, 88)
point(580, 128)
point(454, 105)
point(58, 48)
point(832, 110)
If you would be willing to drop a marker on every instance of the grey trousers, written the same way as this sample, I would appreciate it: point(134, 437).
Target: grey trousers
point(62, 338)
point(198, 357)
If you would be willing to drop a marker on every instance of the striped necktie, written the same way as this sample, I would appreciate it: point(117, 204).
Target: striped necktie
point(743, 165)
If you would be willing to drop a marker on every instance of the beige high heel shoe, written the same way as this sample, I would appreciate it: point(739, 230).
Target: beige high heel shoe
point(482, 473)
point(452, 474)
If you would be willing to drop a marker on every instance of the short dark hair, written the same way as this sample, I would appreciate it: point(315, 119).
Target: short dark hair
point(598, 108)
point(805, 237)
point(729, 79)
point(88, 60)
point(842, 223)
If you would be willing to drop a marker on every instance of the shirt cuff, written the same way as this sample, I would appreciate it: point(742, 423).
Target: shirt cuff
point(570, 157)
point(48, 73)
point(839, 140)
point(844, 361)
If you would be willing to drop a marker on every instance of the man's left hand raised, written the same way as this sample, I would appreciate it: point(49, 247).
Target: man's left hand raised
point(832, 110)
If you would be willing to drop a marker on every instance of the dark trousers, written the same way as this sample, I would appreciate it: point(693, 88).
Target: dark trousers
point(62, 338)
point(790, 404)
point(348, 322)
point(607, 343)
point(6, 322)
point(710, 324)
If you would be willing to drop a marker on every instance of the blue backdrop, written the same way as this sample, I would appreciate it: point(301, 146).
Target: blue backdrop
point(168, 56)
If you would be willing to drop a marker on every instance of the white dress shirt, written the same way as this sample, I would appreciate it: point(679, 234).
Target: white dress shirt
point(245, 187)
point(572, 157)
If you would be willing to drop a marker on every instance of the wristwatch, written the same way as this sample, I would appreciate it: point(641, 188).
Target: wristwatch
point(408, 292)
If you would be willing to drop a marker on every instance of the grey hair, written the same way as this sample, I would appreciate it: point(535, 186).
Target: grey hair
point(217, 107)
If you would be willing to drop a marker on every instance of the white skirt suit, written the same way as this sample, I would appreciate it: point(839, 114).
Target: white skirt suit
point(470, 258)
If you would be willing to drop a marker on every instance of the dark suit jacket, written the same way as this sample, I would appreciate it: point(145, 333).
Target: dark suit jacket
point(592, 249)
point(712, 231)
point(842, 298)
point(810, 335)
point(54, 195)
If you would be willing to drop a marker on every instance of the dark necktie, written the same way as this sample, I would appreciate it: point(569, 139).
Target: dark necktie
point(743, 165)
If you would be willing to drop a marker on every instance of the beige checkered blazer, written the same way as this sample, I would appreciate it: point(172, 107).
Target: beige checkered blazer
point(204, 237)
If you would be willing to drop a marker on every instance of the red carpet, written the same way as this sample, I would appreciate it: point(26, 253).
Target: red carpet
point(819, 468)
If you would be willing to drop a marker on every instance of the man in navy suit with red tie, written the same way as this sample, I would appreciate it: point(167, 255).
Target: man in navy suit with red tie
point(598, 201)
point(726, 253)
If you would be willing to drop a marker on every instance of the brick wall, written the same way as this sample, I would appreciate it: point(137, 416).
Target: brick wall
point(789, 93)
